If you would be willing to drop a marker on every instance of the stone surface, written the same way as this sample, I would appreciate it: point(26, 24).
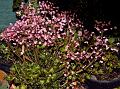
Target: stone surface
point(6, 14)
point(3, 83)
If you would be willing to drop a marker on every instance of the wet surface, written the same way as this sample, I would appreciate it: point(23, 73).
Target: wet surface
point(6, 14)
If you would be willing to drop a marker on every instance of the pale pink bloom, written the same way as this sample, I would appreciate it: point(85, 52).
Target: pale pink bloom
point(45, 43)
point(58, 36)
point(66, 48)
point(79, 33)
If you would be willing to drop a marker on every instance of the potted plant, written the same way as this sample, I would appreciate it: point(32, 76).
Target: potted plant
point(90, 54)
point(105, 72)
point(33, 54)
point(46, 39)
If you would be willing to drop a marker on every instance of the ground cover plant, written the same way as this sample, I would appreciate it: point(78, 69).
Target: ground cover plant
point(51, 49)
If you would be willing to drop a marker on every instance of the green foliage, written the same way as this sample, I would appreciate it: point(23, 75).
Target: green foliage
point(105, 67)
point(4, 86)
point(21, 87)
point(43, 70)
point(16, 4)
point(76, 56)
point(5, 53)
point(34, 3)
point(111, 40)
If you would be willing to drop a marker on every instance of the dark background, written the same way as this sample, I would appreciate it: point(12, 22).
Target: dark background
point(89, 10)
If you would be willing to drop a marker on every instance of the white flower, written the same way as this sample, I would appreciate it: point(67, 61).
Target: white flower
point(91, 65)
point(106, 40)
point(22, 53)
point(101, 61)
point(118, 44)
point(79, 33)
point(105, 29)
point(107, 47)
point(114, 49)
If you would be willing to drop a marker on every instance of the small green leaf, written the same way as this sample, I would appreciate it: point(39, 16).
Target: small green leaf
point(111, 40)
point(87, 76)
point(51, 70)
point(23, 87)
point(70, 77)
point(40, 47)
point(96, 64)
point(42, 81)
point(54, 76)
point(62, 49)
point(48, 80)
point(100, 71)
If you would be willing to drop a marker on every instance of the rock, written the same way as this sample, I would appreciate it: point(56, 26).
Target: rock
point(3, 83)
point(6, 14)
